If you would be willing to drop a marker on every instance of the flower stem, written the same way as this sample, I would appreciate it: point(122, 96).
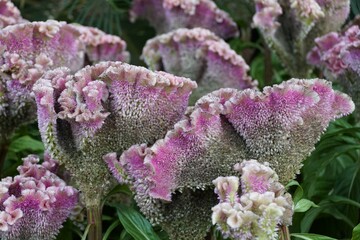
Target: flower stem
point(284, 233)
point(94, 218)
point(3, 152)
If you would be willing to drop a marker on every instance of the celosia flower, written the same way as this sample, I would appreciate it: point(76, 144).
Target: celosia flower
point(201, 56)
point(9, 14)
point(290, 27)
point(27, 51)
point(279, 126)
point(101, 46)
point(338, 55)
point(167, 15)
point(267, 12)
point(104, 108)
point(35, 203)
point(253, 214)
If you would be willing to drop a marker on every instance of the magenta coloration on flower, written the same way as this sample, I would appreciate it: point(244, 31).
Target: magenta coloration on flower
point(167, 15)
point(256, 213)
point(333, 51)
point(199, 55)
point(290, 27)
point(279, 126)
point(35, 203)
point(105, 108)
point(307, 9)
point(101, 46)
point(9, 14)
point(27, 51)
point(338, 55)
point(267, 11)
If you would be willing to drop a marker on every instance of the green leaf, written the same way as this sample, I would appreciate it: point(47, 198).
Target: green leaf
point(26, 143)
point(110, 229)
point(303, 205)
point(356, 233)
point(292, 183)
point(86, 232)
point(311, 236)
point(135, 224)
point(298, 194)
point(125, 235)
point(344, 200)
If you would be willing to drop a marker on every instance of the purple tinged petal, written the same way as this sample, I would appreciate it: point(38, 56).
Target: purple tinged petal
point(105, 108)
point(303, 21)
point(291, 116)
point(167, 15)
point(101, 46)
point(38, 206)
point(200, 55)
point(222, 129)
point(9, 14)
point(307, 9)
point(258, 211)
point(339, 58)
point(267, 12)
point(28, 51)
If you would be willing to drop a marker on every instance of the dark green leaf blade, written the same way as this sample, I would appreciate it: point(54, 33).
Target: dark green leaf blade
point(135, 224)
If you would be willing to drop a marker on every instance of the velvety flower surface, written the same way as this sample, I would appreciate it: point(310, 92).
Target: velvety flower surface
point(104, 108)
point(27, 51)
point(101, 46)
point(261, 207)
point(35, 203)
point(9, 14)
point(290, 27)
point(338, 55)
point(167, 15)
point(201, 56)
point(279, 125)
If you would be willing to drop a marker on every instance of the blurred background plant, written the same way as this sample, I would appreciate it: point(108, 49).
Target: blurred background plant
point(330, 177)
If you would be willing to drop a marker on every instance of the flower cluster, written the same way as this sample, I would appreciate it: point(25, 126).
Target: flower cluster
point(336, 52)
point(167, 15)
point(291, 26)
point(9, 14)
point(267, 12)
point(35, 203)
point(262, 206)
point(101, 46)
point(201, 56)
point(279, 126)
point(27, 51)
point(338, 55)
point(104, 108)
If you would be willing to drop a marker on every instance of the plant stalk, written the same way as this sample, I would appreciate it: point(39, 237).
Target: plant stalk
point(284, 233)
point(94, 218)
point(3, 152)
point(268, 71)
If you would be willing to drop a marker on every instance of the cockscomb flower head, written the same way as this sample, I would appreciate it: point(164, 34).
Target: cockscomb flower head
point(167, 15)
point(201, 56)
point(101, 46)
point(267, 12)
point(9, 14)
point(291, 26)
point(256, 213)
point(27, 51)
point(35, 203)
point(104, 108)
point(338, 55)
point(279, 125)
